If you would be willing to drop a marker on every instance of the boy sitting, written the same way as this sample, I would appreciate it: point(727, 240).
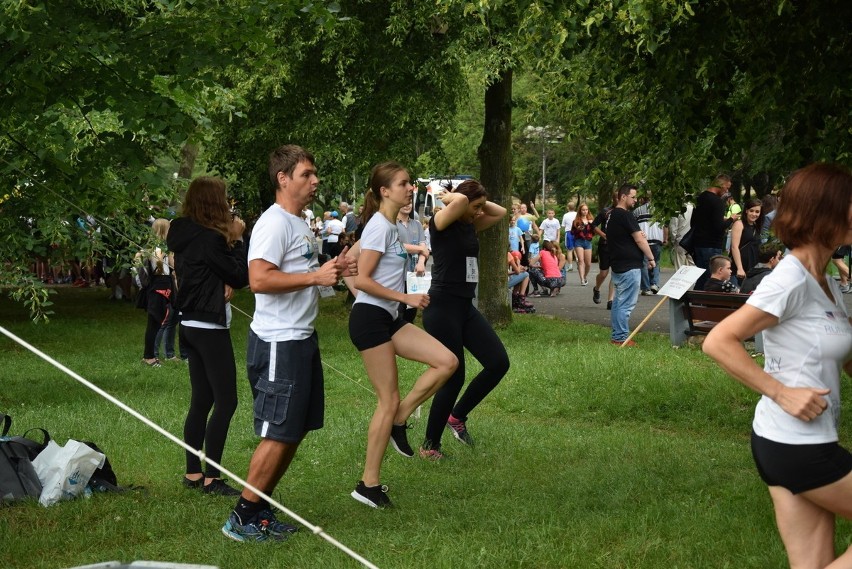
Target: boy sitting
point(720, 275)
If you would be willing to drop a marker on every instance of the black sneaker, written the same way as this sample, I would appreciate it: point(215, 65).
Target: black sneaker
point(596, 296)
point(193, 484)
point(609, 305)
point(459, 430)
point(373, 496)
point(399, 440)
point(218, 487)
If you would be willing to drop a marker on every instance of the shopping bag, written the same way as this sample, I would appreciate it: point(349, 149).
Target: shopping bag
point(65, 471)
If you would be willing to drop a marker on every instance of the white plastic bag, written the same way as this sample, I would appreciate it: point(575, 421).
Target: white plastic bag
point(65, 471)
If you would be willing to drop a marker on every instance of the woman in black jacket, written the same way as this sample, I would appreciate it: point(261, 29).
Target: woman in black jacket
point(210, 261)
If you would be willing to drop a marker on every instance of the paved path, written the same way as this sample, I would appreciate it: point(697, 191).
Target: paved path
point(575, 303)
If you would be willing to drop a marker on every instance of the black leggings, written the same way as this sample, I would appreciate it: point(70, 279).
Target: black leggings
point(151, 330)
point(455, 322)
point(213, 377)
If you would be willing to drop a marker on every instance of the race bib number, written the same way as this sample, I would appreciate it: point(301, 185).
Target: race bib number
point(472, 270)
point(326, 291)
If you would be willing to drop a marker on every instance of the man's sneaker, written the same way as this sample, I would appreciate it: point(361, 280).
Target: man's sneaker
point(373, 496)
point(274, 525)
point(596, 296)
point(399, 440)
point(609, 305)
point(256, 530)
point(655, 289)
point(647, 292)
point(459, 431)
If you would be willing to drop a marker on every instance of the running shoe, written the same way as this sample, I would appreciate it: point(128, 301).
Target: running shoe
point(431, 454)
point(275, 525)
point(596, 296)
point(218, 487)
point(655, 289)
point(256, 530)
point(399, 440)
point(459, 431)
point(373, 496)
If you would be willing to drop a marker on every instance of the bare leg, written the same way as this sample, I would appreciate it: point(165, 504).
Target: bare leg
point(268, 464)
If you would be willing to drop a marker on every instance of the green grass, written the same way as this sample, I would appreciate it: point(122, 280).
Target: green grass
point(587, 456)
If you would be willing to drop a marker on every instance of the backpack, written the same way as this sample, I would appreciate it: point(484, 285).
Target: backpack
point(18, 478)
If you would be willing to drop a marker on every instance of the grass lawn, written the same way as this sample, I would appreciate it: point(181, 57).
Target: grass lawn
point(586, 456)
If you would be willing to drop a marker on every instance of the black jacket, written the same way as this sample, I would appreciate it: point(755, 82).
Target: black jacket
point(753, 278)
point(204, 265)
point(708, 221)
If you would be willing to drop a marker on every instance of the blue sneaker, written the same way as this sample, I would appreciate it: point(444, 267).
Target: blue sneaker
point(274, 525)
point(260, 529)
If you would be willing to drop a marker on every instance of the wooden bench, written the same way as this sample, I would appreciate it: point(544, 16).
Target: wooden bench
point(697, 312)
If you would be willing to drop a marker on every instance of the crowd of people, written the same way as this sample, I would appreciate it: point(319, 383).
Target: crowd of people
point(195, 263)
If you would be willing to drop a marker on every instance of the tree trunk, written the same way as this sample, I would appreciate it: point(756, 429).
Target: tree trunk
point(495, 163)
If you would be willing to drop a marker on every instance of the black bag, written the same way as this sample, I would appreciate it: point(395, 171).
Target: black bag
point(687, 242)
point(103, 479)
point(18, 478)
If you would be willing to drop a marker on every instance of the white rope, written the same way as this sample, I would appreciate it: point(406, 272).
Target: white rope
point(314, 528)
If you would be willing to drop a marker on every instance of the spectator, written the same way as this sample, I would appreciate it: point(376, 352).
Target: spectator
point(153, 267)
point(413, 239)
point(657, 237)
point(627, 248)
point(768, 257)
point(678, 226)
point(768, 206)
point(583, 231)
point(336, 232)
point(211, 262)
point(808, 342)
point(548, 274)
point(838, 259)
point(549, 228)
point(708, 225)
point(720, 275)
point(599, 225)
point(745, 240)
point(516, 237)
point(567, 224)
point(519, 280)
point(348, 218)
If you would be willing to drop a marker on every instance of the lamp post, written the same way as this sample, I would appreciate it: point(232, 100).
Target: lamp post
point(545, 135)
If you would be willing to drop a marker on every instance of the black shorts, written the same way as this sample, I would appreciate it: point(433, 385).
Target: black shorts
point(799, 468)
point(841, 252)
point(371, 326)
point(603, 257)
point(287, 383)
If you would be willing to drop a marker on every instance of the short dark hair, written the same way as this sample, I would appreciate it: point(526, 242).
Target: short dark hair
point(285, 159)
point(472, 189)
point(623, 190)
point(820, 192)
point(768, 251)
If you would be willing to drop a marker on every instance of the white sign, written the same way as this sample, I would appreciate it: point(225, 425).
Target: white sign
point(681, 281)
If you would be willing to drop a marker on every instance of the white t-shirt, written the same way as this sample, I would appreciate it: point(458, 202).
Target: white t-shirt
point(550, 227)
point(334, 229)
point(807, 348)
point(284, 240)
point(381, 235)
point(309, 216)
point(568, 220)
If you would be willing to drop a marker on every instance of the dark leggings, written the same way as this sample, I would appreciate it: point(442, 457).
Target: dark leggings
point(213, 377)
point(458, 325)
point(150, 335)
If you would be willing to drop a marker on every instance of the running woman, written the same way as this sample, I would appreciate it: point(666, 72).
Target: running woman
point(380, 333)
point(451, 316)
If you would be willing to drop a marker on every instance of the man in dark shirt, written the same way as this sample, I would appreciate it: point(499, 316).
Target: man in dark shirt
point(708, 225)
point(628, 248)
point(767, 258)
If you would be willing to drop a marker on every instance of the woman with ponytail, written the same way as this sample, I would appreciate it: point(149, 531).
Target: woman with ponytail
point(380, 333)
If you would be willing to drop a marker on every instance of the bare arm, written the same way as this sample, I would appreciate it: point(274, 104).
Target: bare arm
point(725, 345)
point(736, 238)
point(265, 277)
point(491, 214)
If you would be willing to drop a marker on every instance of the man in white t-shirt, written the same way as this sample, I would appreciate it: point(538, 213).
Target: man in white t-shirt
point(283, 360)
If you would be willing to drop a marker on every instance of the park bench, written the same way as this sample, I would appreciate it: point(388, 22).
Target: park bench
point(698, 311)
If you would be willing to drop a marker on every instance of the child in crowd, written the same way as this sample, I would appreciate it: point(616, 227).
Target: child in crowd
point(720, 276)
